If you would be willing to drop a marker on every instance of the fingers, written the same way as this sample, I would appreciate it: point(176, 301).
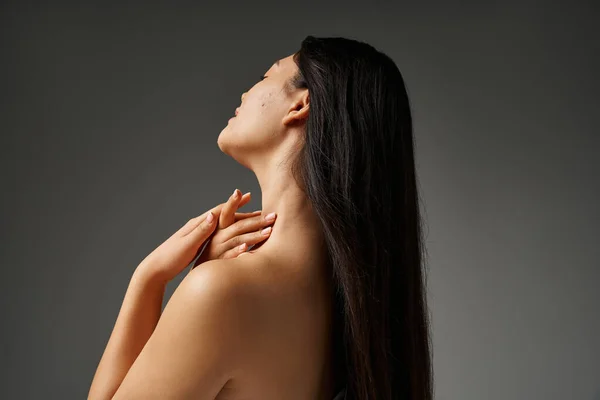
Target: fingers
point(248, 231)
point(250, 224)
point(236, 251)
point(194, 221)
point(241, 216)
point(229, 208)
point(218, 208)
point(245, 200)
point(204, 228)
point(249, 239)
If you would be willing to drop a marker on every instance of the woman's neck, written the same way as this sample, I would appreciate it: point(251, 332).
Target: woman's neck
point(296, 222)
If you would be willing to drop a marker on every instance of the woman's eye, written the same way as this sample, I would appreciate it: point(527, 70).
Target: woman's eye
point(262, 77)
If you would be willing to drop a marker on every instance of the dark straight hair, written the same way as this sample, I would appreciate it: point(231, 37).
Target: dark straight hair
point(357, 167)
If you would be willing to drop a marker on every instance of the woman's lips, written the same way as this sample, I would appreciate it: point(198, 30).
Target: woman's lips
point(237, 110)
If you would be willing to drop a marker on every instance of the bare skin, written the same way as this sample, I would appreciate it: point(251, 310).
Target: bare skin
point(256, 326)
point(289, 354)
point(291, 358)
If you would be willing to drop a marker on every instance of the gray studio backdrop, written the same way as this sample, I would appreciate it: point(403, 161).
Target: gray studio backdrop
point(110, 117)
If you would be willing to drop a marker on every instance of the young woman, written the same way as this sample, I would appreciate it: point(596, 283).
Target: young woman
point(333, 303)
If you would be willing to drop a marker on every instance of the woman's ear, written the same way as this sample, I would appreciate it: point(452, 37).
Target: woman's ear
point(299, 110)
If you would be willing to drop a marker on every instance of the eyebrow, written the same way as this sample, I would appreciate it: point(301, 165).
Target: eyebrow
point(277, 63)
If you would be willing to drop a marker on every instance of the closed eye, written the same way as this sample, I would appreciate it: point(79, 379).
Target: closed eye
point(262, 77)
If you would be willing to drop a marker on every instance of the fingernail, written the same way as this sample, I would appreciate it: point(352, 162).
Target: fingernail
point(210, 217)
point(270, 216)
point(266, 231)
point(241, 247)
point(235, 194)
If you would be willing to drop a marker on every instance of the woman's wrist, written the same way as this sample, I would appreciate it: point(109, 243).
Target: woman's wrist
point(146, 276)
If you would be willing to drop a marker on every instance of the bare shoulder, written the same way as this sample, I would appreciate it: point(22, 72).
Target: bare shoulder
point(226, 285)
point(258, 291)
point(241, 276)
point(244, 288)
point(224, 277)
point(279, 321)
point(200, 339)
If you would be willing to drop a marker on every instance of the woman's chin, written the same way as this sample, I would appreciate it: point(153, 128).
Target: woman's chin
point(221, 140)
point(225, 141)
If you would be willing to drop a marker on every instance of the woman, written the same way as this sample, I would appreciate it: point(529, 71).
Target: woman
point(333, 303)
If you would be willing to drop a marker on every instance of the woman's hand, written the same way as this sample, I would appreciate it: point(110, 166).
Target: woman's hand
point(229, 227)
point(174, 254)
point(236, 231)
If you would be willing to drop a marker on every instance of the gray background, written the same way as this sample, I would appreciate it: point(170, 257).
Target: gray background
point(110, 117)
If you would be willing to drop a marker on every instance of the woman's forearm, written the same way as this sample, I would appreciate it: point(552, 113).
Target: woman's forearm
point(138, 316)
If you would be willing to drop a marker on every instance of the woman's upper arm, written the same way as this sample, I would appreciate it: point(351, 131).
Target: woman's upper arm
point(193, 349)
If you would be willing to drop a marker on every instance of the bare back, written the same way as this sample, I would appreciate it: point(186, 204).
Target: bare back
point(289, 354)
